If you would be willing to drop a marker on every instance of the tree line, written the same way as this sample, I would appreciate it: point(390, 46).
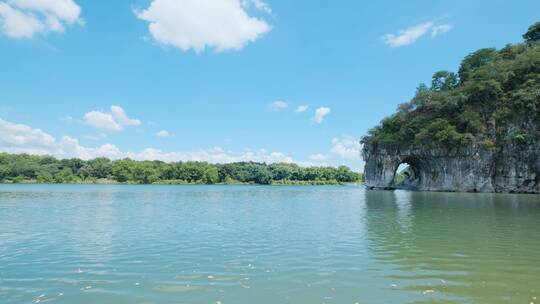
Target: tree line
point(24, 168)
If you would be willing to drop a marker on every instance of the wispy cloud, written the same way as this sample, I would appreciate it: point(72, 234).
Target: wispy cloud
point(441, 29)
point(258, 4)
point(410, 35)
point(278, 105)
point(163, 134)
point(301, 109)
point(317, 157)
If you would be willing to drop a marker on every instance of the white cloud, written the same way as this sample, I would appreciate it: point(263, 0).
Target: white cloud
point(412, 34)
point(320, 114)
point(70, 147)
point(115, 120)
point(17, 24)
point(301, 109)
point(99, 136)
point(68, 120)
point(441, 29)
point(346, 148)
point(200, 24)
point(19, 135)
point(20, 138)
point(121, 117)
point(317, 157)
point(258, 4)
point(278, 105)
point(26, 18)
point(163, 134)
point(213, 155)
point(100, 120)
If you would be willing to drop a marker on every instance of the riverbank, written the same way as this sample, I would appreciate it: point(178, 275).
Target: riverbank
point(182, 183)
point(24, 168)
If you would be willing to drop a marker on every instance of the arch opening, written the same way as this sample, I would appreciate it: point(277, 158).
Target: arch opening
point(407, 174)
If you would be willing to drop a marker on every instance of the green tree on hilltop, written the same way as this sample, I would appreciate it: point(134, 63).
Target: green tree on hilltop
point(494, 93)
point(533, 34)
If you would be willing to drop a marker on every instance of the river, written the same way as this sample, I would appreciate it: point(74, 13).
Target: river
point(264, 244)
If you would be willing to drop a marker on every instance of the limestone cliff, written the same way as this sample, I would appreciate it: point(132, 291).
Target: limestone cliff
point(468, 169)
point(477, 130)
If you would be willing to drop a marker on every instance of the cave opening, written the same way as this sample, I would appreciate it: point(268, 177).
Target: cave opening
point(407, 174)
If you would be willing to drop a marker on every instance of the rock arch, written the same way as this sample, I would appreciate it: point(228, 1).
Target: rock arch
point(467, 169)
point(413, 173)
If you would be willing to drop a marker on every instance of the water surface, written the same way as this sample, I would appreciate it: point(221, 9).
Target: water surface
point(243, 244)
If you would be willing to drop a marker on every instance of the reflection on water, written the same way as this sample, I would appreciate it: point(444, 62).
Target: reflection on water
point(231, 244)
point(477, 248)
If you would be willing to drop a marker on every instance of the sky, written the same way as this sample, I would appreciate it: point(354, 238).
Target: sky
point(227, 80)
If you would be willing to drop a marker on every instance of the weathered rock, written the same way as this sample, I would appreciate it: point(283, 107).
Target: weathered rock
point(474, 168)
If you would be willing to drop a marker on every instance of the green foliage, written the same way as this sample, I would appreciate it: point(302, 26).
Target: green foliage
point(474, 61)
point(533, 34)
point(439, 131)
point(4, 172)
point(443, 81)
point(17, 168)
point(494, 91)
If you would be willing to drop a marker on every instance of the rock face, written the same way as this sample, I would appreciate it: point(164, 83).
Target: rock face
point(511, 168)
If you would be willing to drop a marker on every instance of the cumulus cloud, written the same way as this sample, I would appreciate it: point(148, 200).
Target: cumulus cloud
point(200, 24)
point(320, 114)
point(317, 157)
point(163, 134)
point(412, 34)
point(301, 109)
point(346, 148)
point(100, 120)
point(121, 117)
point(69, 147)
point(115, 120)
point(20, 138)
point(26, 18)
point(278, 105)
point(213, 155)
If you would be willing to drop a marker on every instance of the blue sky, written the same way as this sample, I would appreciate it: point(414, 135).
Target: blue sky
point(222, 80)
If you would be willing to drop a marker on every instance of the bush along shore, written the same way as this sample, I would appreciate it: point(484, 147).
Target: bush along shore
point(24, 168)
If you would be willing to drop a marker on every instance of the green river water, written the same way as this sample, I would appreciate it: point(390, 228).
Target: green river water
point(264, 244)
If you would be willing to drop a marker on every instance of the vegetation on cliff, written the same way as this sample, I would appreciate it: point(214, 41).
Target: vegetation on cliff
point(20, 168)
point(493, 98)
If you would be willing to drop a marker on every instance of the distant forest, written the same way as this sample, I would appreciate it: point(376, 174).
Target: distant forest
point(24, 168)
